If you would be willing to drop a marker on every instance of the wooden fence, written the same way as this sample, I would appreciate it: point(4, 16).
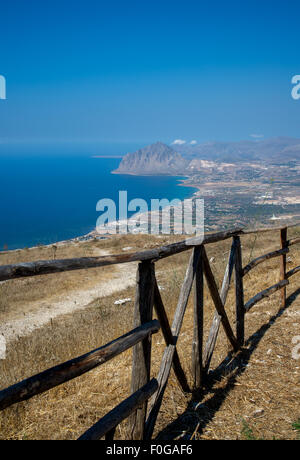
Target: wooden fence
point(142, 418)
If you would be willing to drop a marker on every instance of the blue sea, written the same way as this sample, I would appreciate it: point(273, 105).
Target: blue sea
point(48, 196)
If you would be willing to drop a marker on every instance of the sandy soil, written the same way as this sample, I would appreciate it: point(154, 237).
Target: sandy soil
point(39, 313)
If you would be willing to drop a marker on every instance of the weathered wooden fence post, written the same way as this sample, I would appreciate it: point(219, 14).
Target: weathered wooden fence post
point(219, 304)
point(169, 339)
point(284, 244)
point(141, 358)
point(169, 352)
point(197, 358)
point(214, 330)
point(110, 435)
point(239, 294)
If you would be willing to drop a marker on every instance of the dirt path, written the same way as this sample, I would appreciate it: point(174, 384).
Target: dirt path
point(39, 313)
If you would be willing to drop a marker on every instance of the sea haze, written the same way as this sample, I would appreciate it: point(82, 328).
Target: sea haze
point(48, 198)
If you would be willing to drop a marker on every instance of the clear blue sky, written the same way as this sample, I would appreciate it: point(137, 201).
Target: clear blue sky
point(123, 70)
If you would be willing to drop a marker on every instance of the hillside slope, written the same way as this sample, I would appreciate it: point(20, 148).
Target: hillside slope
point(277, 149)
point(258, 397)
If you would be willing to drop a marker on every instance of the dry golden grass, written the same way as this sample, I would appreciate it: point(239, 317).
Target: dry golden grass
point(22, 293)
point(13, 295)
point(259, 396)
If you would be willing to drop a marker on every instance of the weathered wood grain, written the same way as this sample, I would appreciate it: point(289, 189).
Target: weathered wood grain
point(214, 330)
point(218, 302)
point(293, 241)
point(197, 351)
point(141, 357)
point(293, 272)
point(239, 294)
point(263, 258)
point(74, 368)
point(169, 339)
point(168, 355)
point(249, 231)
point(265, 293)
point(284, 244)
point(44, 267)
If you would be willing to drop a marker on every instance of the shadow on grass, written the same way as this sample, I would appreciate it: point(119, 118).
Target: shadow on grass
point(197, 415)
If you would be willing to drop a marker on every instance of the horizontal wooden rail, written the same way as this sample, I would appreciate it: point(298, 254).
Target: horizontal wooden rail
point(266, 293)
point(120, 412)
point(147, 295)
point(74, 368)
point(293, 271)
point(249, 231)
point(261, 259)
point(46, 267)
point(293, 241)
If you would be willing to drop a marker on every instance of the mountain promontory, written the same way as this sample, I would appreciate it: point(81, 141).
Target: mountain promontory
point(154, 159)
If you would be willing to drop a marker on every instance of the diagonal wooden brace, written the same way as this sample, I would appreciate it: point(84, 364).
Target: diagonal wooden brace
point(218, 302)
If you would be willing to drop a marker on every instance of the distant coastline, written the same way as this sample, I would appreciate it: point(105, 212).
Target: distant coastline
point(107, 156)
point(93, 234)
point(154, 174)
point(70, 209)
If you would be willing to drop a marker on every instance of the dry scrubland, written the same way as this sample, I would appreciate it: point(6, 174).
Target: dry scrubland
point(258, 399)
